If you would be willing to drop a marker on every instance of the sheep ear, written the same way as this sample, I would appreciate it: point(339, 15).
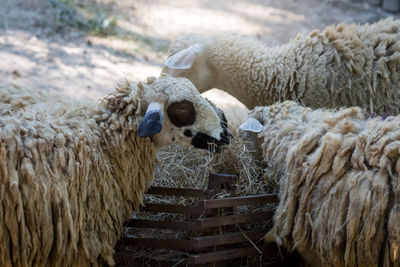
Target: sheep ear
point(184, 59)
point(152, 121)
point(252, 125)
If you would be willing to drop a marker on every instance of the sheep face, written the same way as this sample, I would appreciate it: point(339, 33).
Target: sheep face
point(199, 73)
point(189, 118)
point(189, 59)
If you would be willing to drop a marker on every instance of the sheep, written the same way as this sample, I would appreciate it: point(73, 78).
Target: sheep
point(72, 172)
point(236, 113)
point(339, 190)
point(342, 66)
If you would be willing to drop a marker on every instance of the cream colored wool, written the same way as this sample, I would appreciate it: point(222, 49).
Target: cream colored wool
point(344, 65)
point(339, 189)
point(71, 172)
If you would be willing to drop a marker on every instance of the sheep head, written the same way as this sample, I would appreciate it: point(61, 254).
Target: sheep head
point(189, 59)
point(175, 112)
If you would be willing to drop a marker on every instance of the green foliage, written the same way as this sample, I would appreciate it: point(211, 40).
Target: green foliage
point(83, 16)
point(101, 25)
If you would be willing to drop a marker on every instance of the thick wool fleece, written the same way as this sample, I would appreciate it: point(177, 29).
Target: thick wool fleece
point(70, 175)
point(342, 66)
point(339, 192)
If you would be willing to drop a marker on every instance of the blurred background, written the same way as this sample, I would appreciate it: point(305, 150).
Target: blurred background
point(81, 47)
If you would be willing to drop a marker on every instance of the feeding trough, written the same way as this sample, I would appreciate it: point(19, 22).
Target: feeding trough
point(214, 229)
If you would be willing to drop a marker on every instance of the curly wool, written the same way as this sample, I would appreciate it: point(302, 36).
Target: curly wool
point(61, 162)
point(339, 192)
point(342, 66)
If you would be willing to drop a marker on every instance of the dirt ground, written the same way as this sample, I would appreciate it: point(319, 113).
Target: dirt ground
point(81, 47)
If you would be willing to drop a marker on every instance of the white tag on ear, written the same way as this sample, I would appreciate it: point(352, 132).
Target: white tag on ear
point(252, 125)
point(184, 59)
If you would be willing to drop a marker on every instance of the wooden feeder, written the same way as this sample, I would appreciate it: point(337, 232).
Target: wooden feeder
point(214, 222)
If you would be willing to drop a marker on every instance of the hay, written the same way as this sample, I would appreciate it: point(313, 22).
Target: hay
point(189, 168)
point(182, 167)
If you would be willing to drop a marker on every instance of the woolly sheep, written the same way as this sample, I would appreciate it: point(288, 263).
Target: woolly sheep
point(339, 189)
point(344, 65)
point(236, 113)
point(71, 172)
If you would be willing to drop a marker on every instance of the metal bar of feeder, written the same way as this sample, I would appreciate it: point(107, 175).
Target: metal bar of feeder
point(239, 201)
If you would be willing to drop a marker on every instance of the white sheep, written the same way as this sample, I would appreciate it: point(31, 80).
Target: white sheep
point(71, 172)
point(340, 188)
point(344, 65)
point(236, 113)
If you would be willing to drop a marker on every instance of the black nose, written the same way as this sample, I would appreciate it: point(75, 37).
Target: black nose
point(225, 138)
point(205, 141)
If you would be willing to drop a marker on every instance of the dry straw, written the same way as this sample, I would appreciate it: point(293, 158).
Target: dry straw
point(182, 167)
point(189, 168)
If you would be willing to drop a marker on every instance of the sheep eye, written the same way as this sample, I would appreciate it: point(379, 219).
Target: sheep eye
point(181, 113)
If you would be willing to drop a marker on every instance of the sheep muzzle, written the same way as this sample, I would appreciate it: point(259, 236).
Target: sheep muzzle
point(204, 141)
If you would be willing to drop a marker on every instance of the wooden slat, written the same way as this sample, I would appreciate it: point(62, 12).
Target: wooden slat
point(194, 243)
point(200, 224)
point(223, 255)
point(171, 208)
point(185, 192)
point(233, 219)
point(157, 243)
point(239, 201)
point(190, 226)
point(225, 239)
point(210, 204)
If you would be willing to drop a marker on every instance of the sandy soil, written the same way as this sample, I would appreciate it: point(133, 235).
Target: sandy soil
point(38, 50)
